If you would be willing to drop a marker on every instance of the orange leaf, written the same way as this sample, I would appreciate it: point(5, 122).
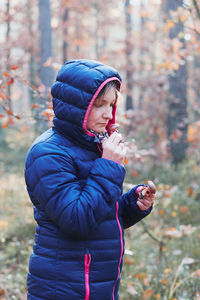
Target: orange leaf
point(147, 294)
point(184, 209)
point(163, 281)
point(176, 135)
point(141, 275)
point(127, 261)
point(167, 271)
point(5, 124)
point(125, 161)
point(24, 128)
point(196, 273)
point(134, 173)
point(6, 74)
point(48, 62)
point(10, 81)
point(2, 95)
point(2, 292)
point(9, 112)
point(162, 212)
point(190, 191)
point(34, 105)
point(151, 26)
point(2, 116)
point(14, 67)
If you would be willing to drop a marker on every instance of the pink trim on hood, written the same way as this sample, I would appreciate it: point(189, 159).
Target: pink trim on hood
point(91, 103)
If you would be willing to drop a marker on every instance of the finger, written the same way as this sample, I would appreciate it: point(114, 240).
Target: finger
point(145, 205)
point(146, 202)
point(115, 138)
point(141, 205)
point(152, 186)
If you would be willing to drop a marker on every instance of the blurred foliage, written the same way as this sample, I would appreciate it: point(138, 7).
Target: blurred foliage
point(162, 252)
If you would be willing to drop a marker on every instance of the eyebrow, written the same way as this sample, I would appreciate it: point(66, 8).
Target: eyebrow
point(104, 100)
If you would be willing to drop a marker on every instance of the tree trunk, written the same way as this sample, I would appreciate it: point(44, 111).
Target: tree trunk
point(129, 65)
point(8, 51)
point(65, 43)
point(177, 102)
point(46, 72)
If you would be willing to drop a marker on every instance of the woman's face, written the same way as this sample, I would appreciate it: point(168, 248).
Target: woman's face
point(101, 111)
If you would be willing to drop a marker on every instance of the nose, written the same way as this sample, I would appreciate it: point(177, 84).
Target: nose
point(108, 113)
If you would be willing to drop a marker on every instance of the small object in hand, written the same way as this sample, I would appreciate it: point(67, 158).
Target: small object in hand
point(147, 191)
point(114, 127)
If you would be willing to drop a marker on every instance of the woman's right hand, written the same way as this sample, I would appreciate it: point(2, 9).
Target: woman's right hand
point(113, 148)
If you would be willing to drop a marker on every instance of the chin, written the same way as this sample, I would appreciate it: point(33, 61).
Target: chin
point(100, 129)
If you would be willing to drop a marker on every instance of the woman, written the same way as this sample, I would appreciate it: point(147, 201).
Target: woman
point(74, 175)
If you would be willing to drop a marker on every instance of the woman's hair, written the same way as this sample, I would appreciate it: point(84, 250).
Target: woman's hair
point(111, 84)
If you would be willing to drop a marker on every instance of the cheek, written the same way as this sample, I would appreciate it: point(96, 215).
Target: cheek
point(94, 115)
point(91, 118)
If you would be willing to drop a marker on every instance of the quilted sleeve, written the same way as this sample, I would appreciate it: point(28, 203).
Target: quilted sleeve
point(131, 213)
point(53, 186)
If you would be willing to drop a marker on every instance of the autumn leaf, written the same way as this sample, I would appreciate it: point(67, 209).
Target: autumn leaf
point(190, 191)
point(11, 81)
point(14, 67)
point(162, 212)
point(173, 214)
point(141, 275)
point(24, 128)
point(184, 209)
point(193, 133)
point(34, 105)
point(147, 294)
point(167, 271)
point(9, 112)
point(176, 135)
point(5, 124)
point(183, 18)
point(6, 74)
point(2, 292)
point(127, 261)
point(2, 96)
point(196, 273)
point(48, 62)
point(151, 26)
point(163, 281)
point(125, 161)
point(2, 116)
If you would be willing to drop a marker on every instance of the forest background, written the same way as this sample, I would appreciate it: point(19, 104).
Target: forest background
point(155, 45)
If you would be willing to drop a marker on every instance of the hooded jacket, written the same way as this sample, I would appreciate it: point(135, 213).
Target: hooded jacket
point(77, 196)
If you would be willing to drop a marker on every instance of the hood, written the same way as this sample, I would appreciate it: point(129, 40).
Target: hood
point(77, 85)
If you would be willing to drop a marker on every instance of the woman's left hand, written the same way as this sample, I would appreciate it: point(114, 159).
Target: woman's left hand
point(146, 196)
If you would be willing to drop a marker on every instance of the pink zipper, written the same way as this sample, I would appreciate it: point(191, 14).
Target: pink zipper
point(121, 253)
point(87, 261)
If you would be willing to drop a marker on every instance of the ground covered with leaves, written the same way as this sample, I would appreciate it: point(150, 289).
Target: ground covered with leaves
point(162, 257)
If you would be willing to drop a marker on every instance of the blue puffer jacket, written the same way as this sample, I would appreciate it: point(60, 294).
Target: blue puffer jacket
point(77, 196)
